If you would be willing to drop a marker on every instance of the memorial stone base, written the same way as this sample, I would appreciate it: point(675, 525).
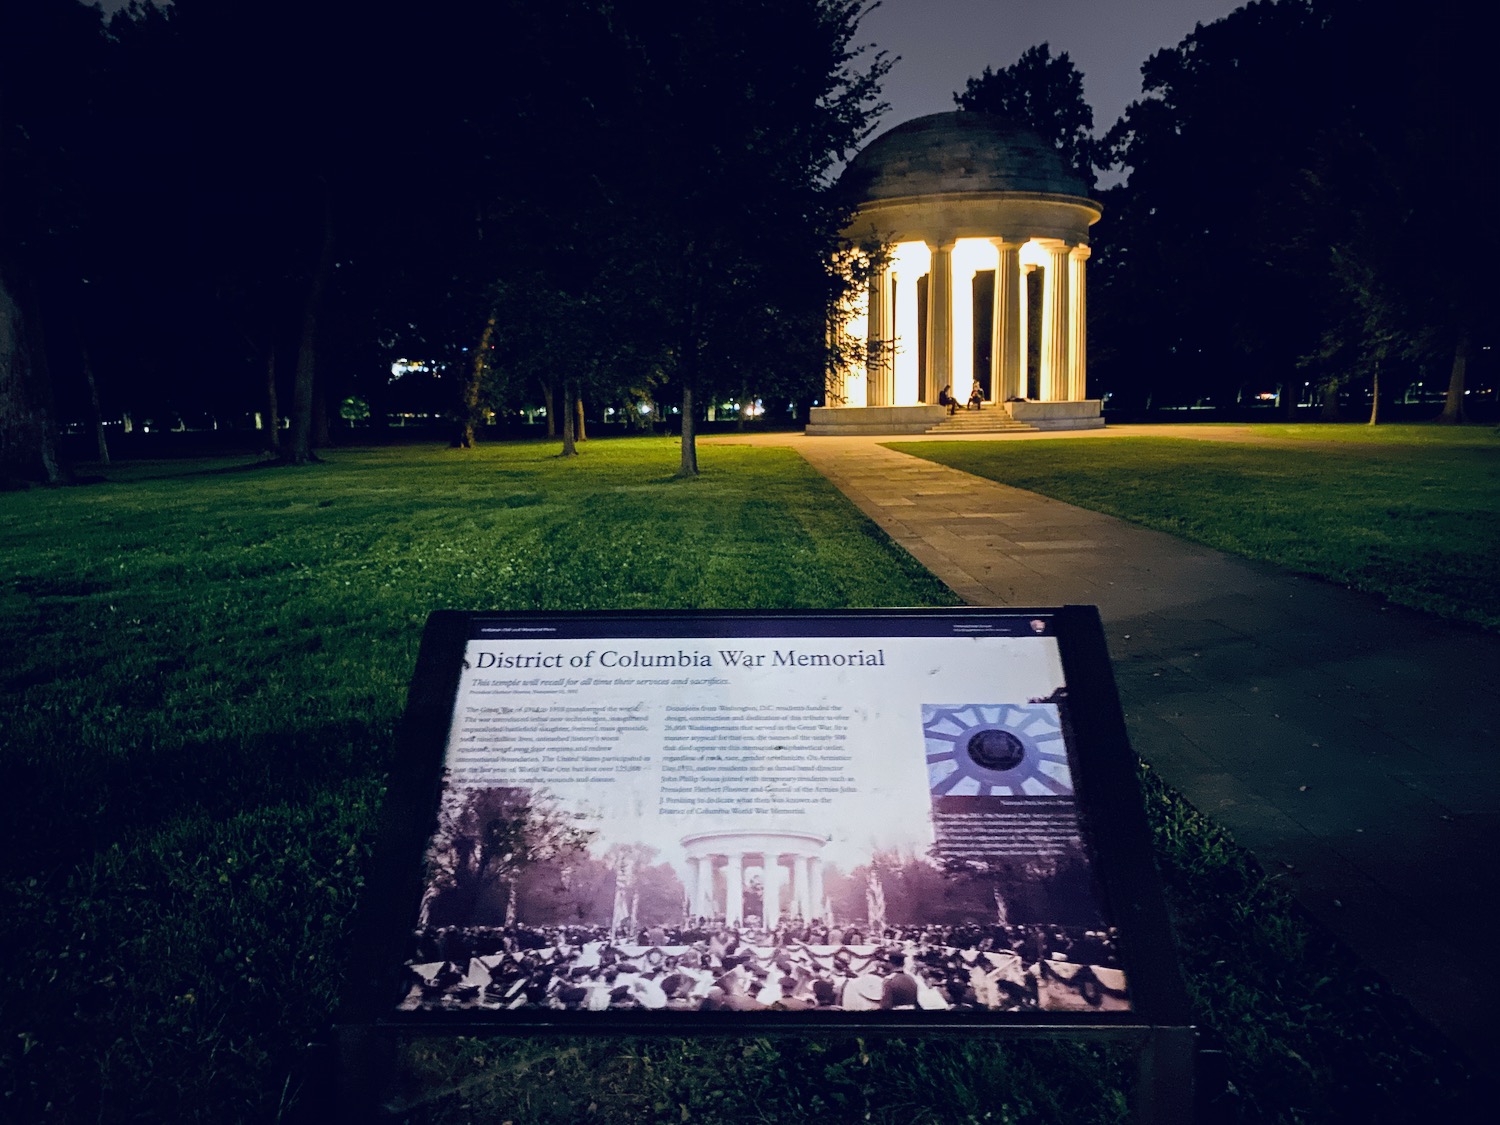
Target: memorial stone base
point(854, 421)
point(1084, 415)
point(842, 421)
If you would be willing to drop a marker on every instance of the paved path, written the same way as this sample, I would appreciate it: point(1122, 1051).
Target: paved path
point(1349, 745)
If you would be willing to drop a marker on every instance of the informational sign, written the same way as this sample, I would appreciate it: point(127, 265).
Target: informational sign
point(884, 813)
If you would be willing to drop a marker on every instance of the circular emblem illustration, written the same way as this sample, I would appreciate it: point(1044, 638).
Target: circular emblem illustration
point(995, 750)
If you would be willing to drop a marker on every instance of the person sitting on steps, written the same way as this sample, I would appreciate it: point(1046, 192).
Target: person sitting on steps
point(945, 398)
point(976, 397)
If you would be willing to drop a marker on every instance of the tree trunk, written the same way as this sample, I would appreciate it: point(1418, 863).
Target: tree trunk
point(1375, 396)
point(580, 429)
point(468, 400)
point(689, 466)
point(304, 401)
point(547, 399)
point(273, 407)
point(322, 435)
point(27, 445)
point(1454, 410)
point(569, 449)
point(1329, 410)
point(41, 385)
point(301, 434)
point(88, 374)
point(19, 451)
point(1291, 391)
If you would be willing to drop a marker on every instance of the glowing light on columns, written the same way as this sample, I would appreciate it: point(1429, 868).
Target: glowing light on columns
point(1055, 326)
point(1033, 253)
point(857, 327)
point(1033, 256)
point(1024, 333)
point(877, 337)
point(1077, 325)
point(939, 321)
point(1006, 361)
point(970, 255)
point(909, 261)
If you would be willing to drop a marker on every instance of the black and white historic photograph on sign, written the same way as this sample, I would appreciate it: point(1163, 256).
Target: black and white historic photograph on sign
point(785, 823)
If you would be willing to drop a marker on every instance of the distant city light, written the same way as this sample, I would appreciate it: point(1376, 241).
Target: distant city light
point(404, 367)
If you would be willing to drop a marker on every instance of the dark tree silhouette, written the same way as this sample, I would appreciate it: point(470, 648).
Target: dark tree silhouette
point(1285, 181)
point(485, 838)
point(50, 121)
point(718, 131)
point(1421, 154)
point(1209, 278)
point(1045, 94)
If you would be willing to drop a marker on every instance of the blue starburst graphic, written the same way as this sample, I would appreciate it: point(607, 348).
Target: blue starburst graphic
point(995, 750)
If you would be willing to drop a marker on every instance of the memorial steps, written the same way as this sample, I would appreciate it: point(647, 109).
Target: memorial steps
point(989, 420)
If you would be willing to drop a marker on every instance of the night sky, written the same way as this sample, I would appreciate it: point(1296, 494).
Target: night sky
point(942, 43)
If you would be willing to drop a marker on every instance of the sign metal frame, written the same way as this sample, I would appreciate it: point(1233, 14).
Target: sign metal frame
point(1107, 794)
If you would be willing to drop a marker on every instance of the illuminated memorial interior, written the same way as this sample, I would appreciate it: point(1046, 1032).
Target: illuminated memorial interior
point(718, 863)
point(985, 238)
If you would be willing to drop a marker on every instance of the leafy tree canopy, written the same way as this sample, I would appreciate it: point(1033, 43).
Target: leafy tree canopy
point(1046, 95)
point(1210, 279)
point(697, 215)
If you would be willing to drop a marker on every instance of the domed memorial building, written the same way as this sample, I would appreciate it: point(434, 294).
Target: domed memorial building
point(984, 235)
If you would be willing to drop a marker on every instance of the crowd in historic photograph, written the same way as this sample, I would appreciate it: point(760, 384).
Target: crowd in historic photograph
point(793, 968)
point(528, 905)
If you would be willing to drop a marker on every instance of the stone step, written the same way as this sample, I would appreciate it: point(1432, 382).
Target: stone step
point(998, 428)
point(992, 420)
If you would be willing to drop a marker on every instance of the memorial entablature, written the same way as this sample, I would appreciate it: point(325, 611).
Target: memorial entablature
point(979, 238)
point(718, 863)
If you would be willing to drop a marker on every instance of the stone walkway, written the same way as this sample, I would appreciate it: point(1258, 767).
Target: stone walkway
point(1350, 746)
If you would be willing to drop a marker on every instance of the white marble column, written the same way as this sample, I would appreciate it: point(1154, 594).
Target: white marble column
point(906, 389)
point(770, 885)
point(1077, 325)
point(734, 890)
point(816, 890)
point(703, 883)
point(877, 343)
point(800, 906)
point(939, 321)
point(1008, 329)
point(1023, 369)
point(1055, 325)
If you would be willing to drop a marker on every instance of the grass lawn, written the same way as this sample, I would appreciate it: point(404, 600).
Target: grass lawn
point(1411, 513)
point(201, 667)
